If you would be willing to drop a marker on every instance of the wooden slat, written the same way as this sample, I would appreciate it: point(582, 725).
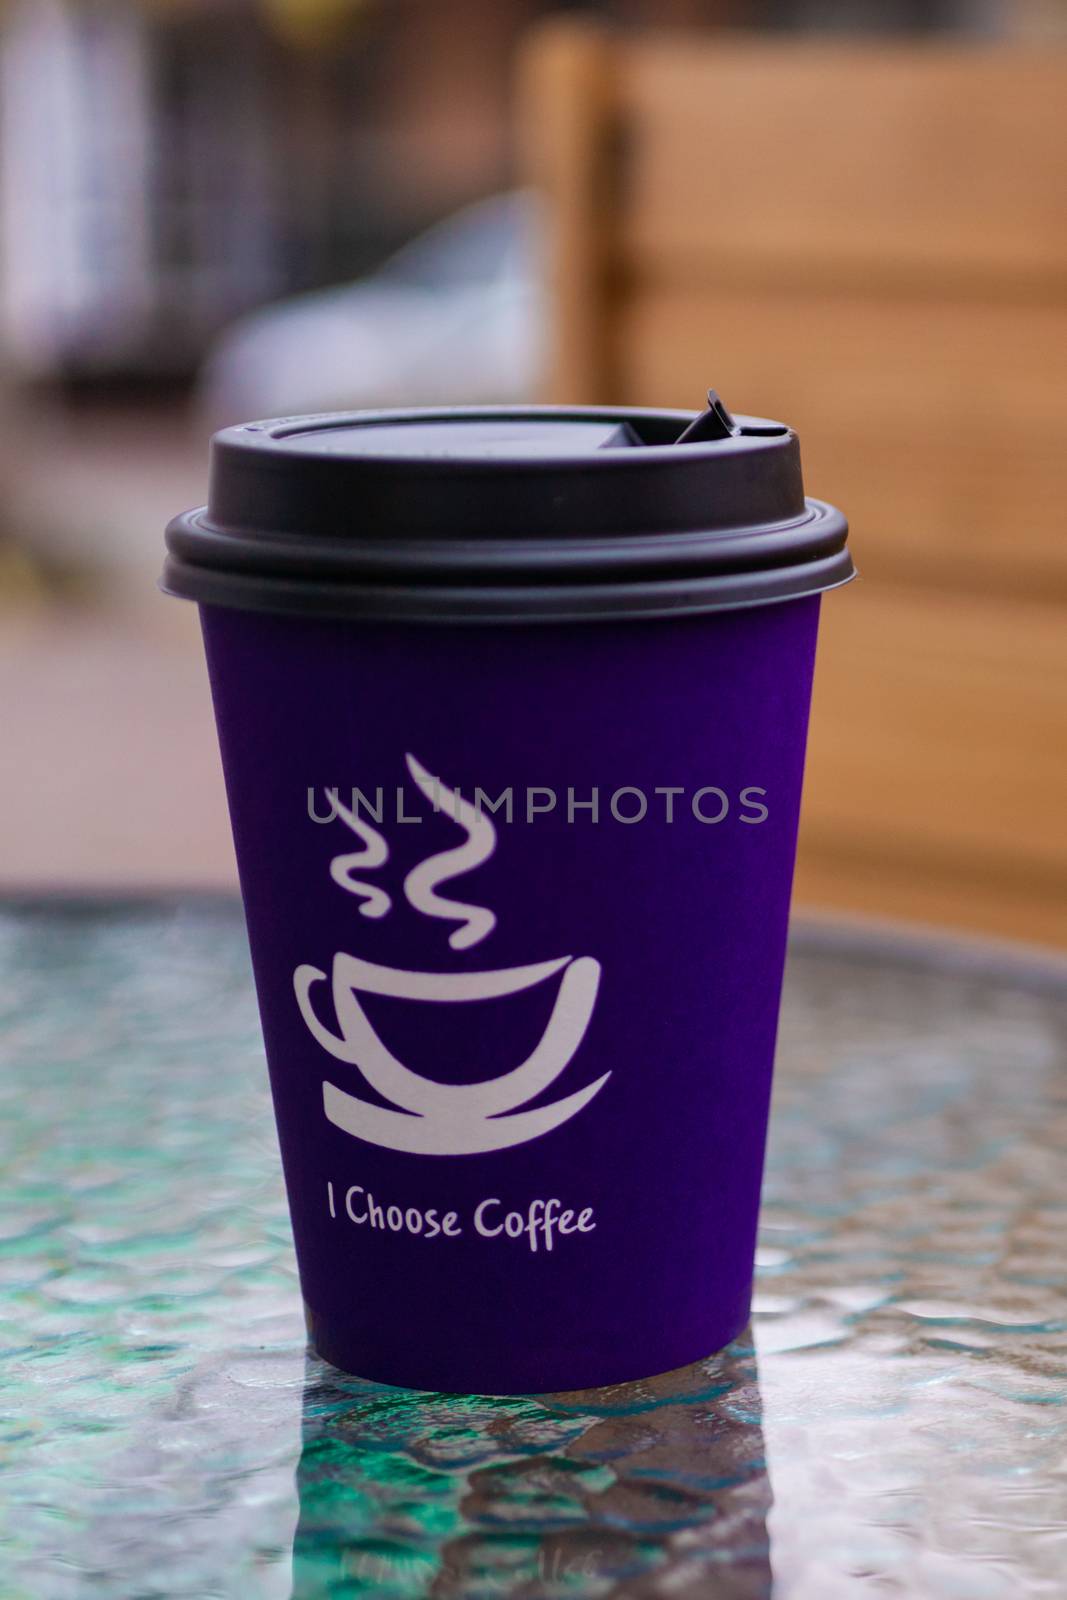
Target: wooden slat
point(937, 425)
point(938, 761)
point(565, 89)
point(890, 160)
point(884, 888)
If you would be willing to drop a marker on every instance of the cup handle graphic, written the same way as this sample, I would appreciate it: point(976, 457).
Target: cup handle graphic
point(303, 978)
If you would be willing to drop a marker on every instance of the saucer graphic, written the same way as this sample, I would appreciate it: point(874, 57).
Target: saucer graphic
point(441, 1118)
point(450, 1119)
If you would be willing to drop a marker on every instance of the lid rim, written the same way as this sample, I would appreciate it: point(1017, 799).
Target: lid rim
point(517, 603)
point(430, 563)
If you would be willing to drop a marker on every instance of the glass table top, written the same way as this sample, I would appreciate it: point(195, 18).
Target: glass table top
point(894, 1424)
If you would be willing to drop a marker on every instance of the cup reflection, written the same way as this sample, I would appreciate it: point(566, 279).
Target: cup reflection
point(608, 1491)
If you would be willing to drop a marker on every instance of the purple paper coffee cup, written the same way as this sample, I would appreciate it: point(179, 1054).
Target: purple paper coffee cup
point(512, 709)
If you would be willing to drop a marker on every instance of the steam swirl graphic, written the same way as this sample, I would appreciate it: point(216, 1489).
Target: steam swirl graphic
point(374, 854)
point(421, 883)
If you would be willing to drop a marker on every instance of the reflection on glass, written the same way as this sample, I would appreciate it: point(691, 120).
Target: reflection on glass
point(405, 1494)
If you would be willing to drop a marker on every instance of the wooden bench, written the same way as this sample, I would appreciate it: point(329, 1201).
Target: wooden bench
point(869, 242)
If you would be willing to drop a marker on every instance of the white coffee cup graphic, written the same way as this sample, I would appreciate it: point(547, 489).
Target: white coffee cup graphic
point(439, 1118)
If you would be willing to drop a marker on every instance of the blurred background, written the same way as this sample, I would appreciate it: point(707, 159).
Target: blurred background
point(848, 215)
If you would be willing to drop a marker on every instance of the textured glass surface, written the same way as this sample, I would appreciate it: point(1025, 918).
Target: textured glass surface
point(898, 1426)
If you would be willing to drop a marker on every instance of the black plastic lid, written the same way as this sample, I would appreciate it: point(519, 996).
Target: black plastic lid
point(500, 515)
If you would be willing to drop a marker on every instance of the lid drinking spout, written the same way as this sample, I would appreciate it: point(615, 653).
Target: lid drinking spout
point(714, 423)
